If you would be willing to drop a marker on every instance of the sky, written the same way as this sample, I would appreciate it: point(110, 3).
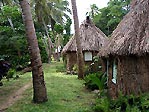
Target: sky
point(83, 6)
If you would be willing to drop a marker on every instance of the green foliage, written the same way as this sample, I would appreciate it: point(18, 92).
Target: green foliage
point(65, 39)
point(12, 36)
point(144, 102)
point(102, 105)
point(109, 17)
point(9, 12)
point(131, 103)
point(12, 31)
point(94, 10)
point(58, 28)
point(42, 47)
point(13, 39)
point(67, 28)
point(11, 73)
point(96, 81)
point(22, 61)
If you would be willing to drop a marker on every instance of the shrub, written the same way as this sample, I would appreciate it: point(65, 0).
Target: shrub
point(12, 74)
point(96, 81)
point(102, 105)
point(131, 103)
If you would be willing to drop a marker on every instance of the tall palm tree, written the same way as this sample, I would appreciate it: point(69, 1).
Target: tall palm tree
point(59, 9)
point(40, 94)
point(49, 12)
point(80, 60)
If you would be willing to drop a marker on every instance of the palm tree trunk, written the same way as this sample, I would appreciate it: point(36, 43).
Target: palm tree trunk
point(80, 60)
point(39, 88)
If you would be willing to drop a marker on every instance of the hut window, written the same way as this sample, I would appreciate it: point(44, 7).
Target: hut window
point(107, 69)
point(88, 56)
point(114, 71)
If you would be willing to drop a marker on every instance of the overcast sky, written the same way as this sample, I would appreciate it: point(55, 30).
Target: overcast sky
point(83, 6)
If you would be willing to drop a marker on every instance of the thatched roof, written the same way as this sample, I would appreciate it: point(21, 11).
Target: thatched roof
point(92, 38)
point(132, 34)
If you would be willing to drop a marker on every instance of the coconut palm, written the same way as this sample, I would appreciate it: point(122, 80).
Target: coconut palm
point(40, 94)
point(49, 12)
point(80, 60)
point(59, 9)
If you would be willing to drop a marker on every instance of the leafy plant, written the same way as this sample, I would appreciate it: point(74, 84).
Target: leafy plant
point(124, 103)
point(102, 105)
point(109, 17)
point(10, 73)
point(144, 102)
point(96, 81)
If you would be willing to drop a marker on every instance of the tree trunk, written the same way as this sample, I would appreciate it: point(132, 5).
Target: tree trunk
point(80, 61)
point(39, 88)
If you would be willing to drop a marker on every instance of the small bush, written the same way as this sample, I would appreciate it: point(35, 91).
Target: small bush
point(123, 103)
point(102, 105)
point(12, 74)
point(96, 81)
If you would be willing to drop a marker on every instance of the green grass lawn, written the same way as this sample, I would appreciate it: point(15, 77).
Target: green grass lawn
point(65, 93)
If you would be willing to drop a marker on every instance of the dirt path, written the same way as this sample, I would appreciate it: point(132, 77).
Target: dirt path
point(14, 97)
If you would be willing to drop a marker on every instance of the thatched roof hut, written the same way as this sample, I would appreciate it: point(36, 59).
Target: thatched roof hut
point(92, 39)
point(132, 34)
point(128, 52)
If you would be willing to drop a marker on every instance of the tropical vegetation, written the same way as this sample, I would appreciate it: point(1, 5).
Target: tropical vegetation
point(108, 17)
point(32, 34)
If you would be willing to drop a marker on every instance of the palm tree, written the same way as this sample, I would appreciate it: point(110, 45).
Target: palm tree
point(49, 12)
point(80, 60)
point(40, 94)
point(59, 9)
